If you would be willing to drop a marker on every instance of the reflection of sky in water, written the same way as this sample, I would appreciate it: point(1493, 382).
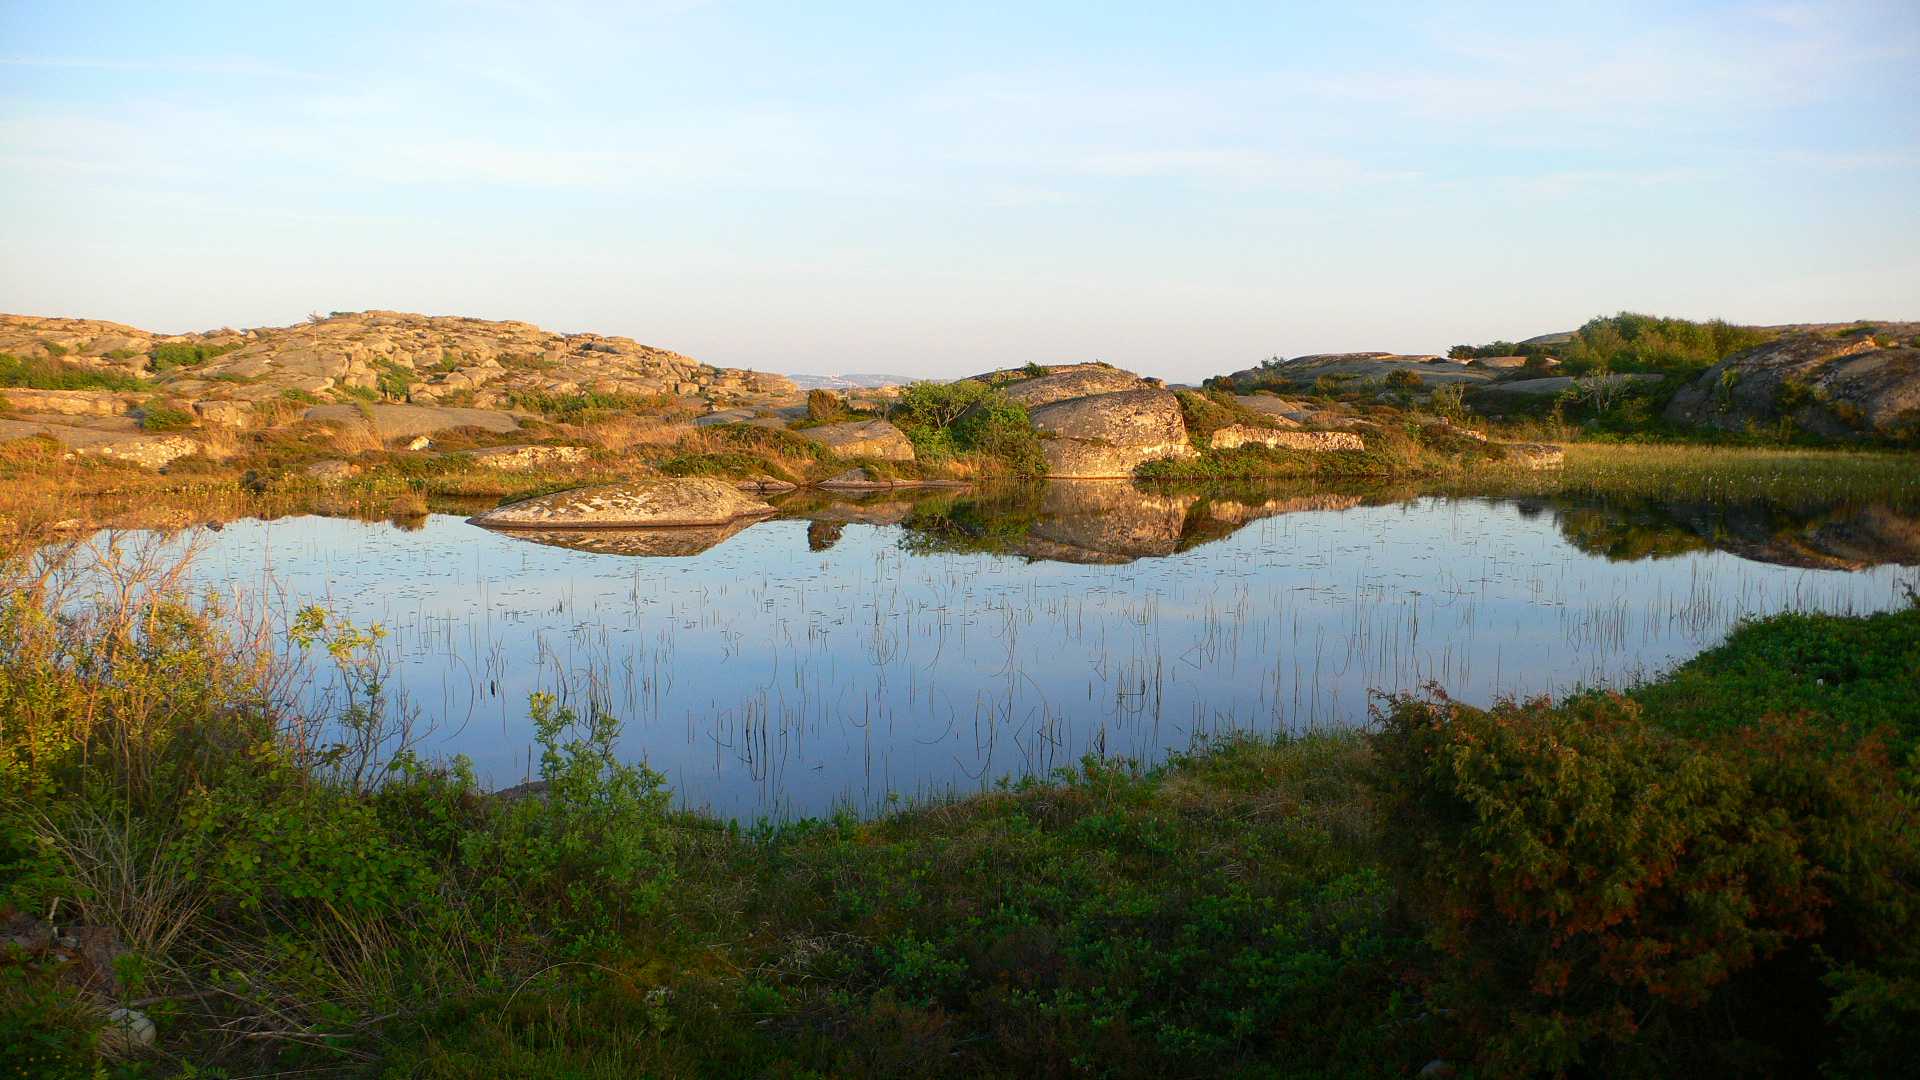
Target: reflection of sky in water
point(761, 677)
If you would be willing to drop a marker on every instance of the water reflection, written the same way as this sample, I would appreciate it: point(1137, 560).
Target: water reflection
point(1102, 522)
point(854, 647)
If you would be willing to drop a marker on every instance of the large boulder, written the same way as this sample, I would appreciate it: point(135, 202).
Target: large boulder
point(1071, 382)
point(1109, 435)
point(70, 402)
point(1840, 385)
point(875, 439)
point(650, 503)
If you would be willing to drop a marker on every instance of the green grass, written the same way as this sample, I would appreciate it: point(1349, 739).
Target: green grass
point(34, 374)
point(179, 354)
point(159, 418)
point(1859, 676)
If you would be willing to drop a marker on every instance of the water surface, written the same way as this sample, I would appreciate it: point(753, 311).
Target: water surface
point(851, 650)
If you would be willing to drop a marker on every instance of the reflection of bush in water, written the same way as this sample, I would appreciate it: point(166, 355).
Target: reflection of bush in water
point(995, 523)
point(1626, 538)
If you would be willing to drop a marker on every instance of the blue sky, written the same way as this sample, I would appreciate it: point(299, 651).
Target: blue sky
point(940, 189)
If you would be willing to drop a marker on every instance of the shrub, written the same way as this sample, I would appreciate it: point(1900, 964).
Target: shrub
point(1401, 379)
point(588, 406)
point(945, 420)
point(174, 354)
point(1857, 674)
point(1621, 900)
point(34, 374)
point(155, 417)
point(824, 406)
point(394, 380)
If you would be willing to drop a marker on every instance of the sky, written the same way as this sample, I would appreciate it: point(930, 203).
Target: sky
point(940, 189)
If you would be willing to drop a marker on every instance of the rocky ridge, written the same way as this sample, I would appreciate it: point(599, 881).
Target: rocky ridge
point(1839, 383)
point(424, 359)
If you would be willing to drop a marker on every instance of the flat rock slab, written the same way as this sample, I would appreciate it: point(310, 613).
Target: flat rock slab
point(652, 503)
point(521, 458)
point(1535, 455)
point(766, 485)
point(406, 421)
point(861, 480)
point(71, 402)
point(862, 439)
point(724, 416)
point(1237, 435)
point(118, 438)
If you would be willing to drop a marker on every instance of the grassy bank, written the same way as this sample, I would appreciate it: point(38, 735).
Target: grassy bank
point(1718, 872)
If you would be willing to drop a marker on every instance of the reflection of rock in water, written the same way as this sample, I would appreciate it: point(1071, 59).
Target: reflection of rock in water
point(681, 541)
point(1830, 537)
point(1236, 512)
point(1105, 521)
point(822, 535)
point(1101, 522)
point(1874, 535)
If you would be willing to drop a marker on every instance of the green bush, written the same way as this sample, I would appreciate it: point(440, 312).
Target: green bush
point(291, 870)
point(157, 417)
point(173, 354)
point(34, 374)
point(1401, 379)
point(946, 420)
point(825, 406)
point(1619, 900)
point(1634, 342)
point(587, 406)
point(394, 380)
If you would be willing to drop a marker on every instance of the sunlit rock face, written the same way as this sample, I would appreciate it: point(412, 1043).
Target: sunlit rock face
point(652, 503)
point(1835, 383)
point(862, 439)
point(1074, 382)
point(445, 359)
point(1109, 435)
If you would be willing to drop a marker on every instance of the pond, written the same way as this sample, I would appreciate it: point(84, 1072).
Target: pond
point(852, 652)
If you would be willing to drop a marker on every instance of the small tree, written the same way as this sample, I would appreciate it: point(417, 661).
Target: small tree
point(825, 406)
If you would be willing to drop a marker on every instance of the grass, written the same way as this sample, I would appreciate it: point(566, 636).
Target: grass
point(55, 374)
point(1738, 472)
point(1430, 450)
point(1860, 676)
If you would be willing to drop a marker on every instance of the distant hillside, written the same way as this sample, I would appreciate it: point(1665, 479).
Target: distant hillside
point(849, 382)
point(382, 355)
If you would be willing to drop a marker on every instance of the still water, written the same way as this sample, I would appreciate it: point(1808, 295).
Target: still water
point(851, 652)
